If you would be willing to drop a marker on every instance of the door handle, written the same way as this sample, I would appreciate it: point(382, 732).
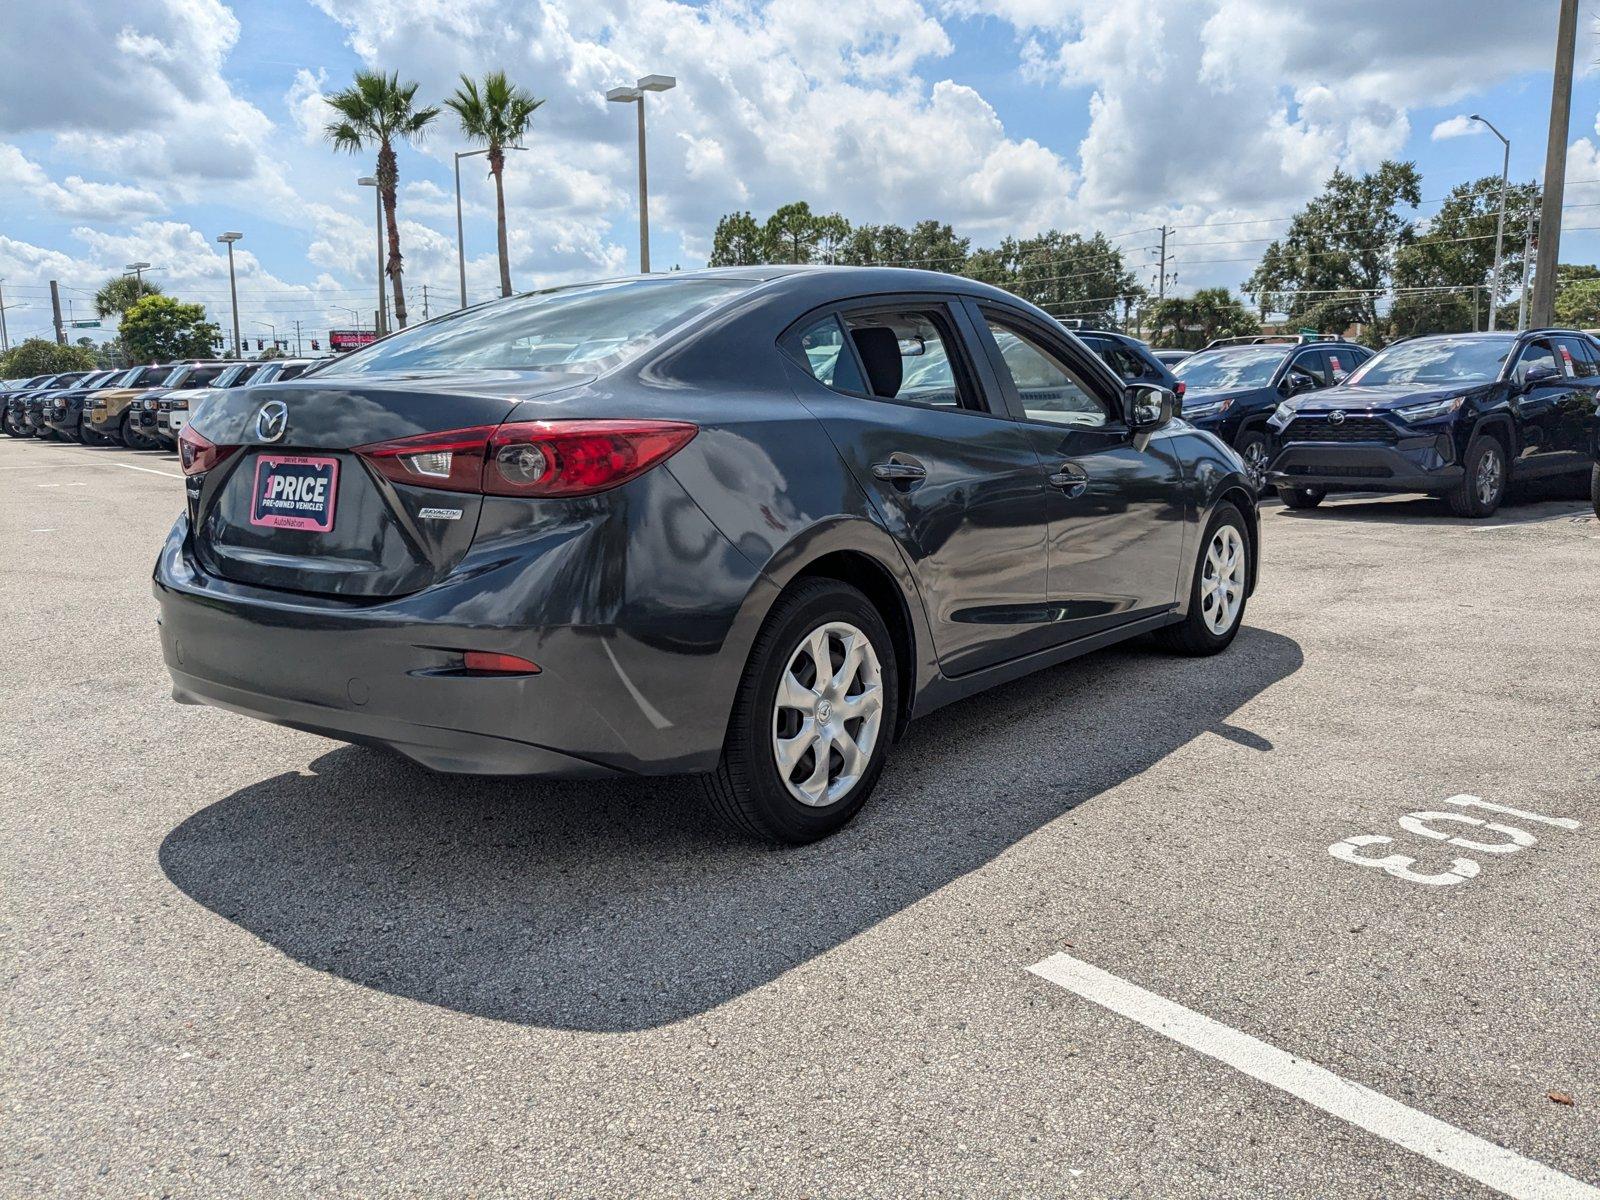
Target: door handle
point(900, 470)
point(1071, 479)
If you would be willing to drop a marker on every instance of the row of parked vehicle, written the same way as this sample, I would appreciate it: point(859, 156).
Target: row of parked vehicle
point(1465, 417)
point(143, 408)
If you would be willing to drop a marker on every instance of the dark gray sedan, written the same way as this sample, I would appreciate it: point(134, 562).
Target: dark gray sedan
point(743, 523)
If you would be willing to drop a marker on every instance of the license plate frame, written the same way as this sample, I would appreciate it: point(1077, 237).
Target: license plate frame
point(294, 505)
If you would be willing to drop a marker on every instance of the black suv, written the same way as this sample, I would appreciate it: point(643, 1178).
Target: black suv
point(1235, 384)
point(1460, 415)
point(1130, 358)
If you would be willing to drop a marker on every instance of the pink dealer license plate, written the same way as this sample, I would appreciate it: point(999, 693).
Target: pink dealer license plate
point(295, 491)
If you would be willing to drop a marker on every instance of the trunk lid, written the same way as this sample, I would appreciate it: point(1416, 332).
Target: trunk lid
point(363, 535)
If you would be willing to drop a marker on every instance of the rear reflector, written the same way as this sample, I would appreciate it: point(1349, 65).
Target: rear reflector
point(198, 454)
point(530, 458)
point(498, 664)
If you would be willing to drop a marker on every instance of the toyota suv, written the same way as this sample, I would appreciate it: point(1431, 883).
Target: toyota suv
point(1462, 416)
point(1234, 384)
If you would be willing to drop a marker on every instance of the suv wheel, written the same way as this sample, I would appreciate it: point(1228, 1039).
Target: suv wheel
point(1252, 447)
point(1483, 484)
point(13, 428)
point(1217, 595)
point(812, 719)
point(1301, 497)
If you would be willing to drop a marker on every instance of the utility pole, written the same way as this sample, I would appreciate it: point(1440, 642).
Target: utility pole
point(1161, 283)
point(424, 302)
point(297, 353)
point(1527, 265)
point(55, 307)
point(5, 338)
point(1555, 168)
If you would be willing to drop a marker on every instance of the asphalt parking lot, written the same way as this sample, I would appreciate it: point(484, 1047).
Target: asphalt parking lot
point(245, 961)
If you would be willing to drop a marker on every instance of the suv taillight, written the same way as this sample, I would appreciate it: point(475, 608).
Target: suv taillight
point(198, 453)
point(530, 458)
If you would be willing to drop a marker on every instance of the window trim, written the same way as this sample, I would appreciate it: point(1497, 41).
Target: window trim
point(1089, 368)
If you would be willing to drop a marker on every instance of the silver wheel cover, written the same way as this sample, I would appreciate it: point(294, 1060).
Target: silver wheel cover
point(1222, 580)
point(825, 722)
point(1490, 472)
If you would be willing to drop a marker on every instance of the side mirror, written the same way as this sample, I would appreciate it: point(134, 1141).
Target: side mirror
point(1542, 373)
point(1293, 385)
point(1148, 406)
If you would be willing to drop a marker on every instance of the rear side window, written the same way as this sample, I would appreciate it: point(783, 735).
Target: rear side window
point(1575, 356)
point(1124, 361)
point(1049, 389)
point(821, 349)
point(1341, 361)
point(1313, 364)
point(909, 355)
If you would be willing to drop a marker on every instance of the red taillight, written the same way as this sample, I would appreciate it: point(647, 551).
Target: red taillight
point(1178, 388)
point(497, 664)
point(198, 453)
point(530, 458)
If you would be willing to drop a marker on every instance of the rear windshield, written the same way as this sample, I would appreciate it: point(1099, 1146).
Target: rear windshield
point(1436, 360)
point(1222, 370)
point(587, 328)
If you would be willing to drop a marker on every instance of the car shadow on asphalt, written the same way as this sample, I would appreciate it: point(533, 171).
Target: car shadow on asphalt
point(623, 906)
point(1533, 508)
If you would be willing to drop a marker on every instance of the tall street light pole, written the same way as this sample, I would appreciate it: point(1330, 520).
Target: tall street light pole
point(635, 95)
point(461, 242)
point(137, 270)
point(382, 311)
point(1555, 169)
point(1500, 227)
point(233, 292)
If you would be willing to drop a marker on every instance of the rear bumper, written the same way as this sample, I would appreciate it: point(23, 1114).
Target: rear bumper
point(609, 700)
point(1410, 465)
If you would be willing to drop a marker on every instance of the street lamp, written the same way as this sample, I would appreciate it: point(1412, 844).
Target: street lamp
point(635, 95)
point(273, 329)
point(1500, 227)
point(233, 292)
point(382, 311)
point(461, 251)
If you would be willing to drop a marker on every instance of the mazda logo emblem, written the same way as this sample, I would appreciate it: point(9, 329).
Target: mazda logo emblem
point(272, 421)
point(1334, 418)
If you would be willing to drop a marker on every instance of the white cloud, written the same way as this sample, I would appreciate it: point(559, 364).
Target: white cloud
point(1456, 127)
point(74, 198)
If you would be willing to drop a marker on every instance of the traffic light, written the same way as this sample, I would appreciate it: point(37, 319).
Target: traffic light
point(315, 344)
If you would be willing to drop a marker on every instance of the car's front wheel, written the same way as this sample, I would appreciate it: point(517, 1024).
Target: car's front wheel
point(1253, 448)
point(1219, 590)
point(1483, 483)
point(12, 427)
point(813, 717)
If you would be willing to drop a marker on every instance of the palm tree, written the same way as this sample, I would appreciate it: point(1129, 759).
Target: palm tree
point(497, 117)
point(376, 110)
point(120, 291)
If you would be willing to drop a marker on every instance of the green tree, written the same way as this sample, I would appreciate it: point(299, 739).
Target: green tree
point(118, 292)
point(928, 245)
point(1578, 297)
point(160, 329)
point(496, 116)
point(1188, 323)
point(833, 231)
point(792, 233)
point(376, 111)
point(738, 242)
point(1338, 257)
point(41, 356)
point(1066, 274)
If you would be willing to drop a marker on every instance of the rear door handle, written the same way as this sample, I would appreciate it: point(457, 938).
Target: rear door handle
point(1071, 479)
point(901, 469)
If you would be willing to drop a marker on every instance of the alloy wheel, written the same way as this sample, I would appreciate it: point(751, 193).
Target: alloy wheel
point(1222, 580)
point(827, 717)
point(1255, 461)
point(1491, 471)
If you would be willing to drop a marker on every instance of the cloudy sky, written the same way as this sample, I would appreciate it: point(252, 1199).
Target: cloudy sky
point(138, 131)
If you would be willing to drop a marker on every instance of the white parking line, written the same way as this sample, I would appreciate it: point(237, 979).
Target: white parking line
point(1492, 1165)
point(148, 470)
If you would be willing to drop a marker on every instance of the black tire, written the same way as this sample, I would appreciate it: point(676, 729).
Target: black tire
point(12, 428)
point(127, 435)
point(1301, 497)
point(1253, 447)
point(89, 437)
point(1474, 497)
point(746, 790)
point(1193, 635)
point(1594, 488)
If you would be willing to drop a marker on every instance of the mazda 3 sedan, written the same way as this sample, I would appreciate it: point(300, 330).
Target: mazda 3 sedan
point(741, 523)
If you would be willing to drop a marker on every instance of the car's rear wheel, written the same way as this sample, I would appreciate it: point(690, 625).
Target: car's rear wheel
point(1483, 482)
point(1218, 594)
point(813, 717)
point(1252, 447)
point(1301, 497)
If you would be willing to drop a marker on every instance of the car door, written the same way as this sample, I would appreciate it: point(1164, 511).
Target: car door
point(1539, 404)
point(951, 476)
point(1577, 356)
point(1119, 506)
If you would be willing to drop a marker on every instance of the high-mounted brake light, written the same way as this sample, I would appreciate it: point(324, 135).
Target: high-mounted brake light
point(531, 458)
point(198, 453)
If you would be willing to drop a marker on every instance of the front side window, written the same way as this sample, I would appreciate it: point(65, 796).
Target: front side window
point(143, 377)
point(907, 356)
point(1050, 390)
point(582, 329)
